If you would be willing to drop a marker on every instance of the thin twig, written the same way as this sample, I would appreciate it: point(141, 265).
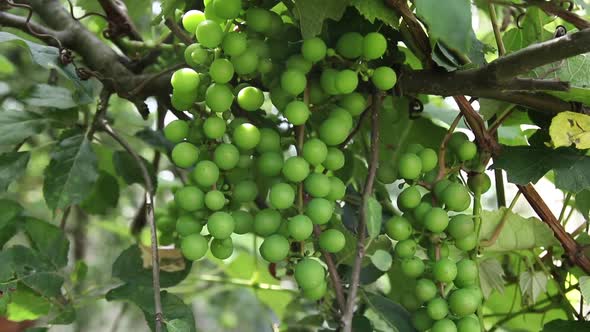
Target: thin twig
point(497, 33)
point(357, 128)
point(64, 217)
point(362, 225)
point(442, 168)
point(333, 271)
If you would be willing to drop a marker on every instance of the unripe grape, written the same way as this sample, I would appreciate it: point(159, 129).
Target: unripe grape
point(410, 302)
point(300, 227)
point(437, 308)
point(405, 248)
point(293, 82)
point(374, 46)
point(421, 210)
point(274, 248)
point(409, 166)
point(460, 226)
point(176, 131)
point(267, 222)
point(245, 191)
point(279, 98)
point(299, 63)
point(350, 45)
point(309, 273)
point(398, 228)
point(258, 19)
point(317, 185)
point(227, 9)
point(183, 100)
point(270, 163)
point(220, 225)
point(243, 220)
point(270, 141)
point(221, 71)
point(334, 159)
point(319, 210)
point(384, 78)
point(234, 43)
point(187, 225)
point(210, 12)
point(456, 197)
point(315, 151)
point(194, 247)
point(421, 320)
point(468, 324)
point(386, 172)
point(409, 198)
point(444, 325)
point(445, 270)
point(250, 98)
point(209, 34)
point(185, 80)
point(332, 132)
point(205, 173)
point(328, 81)
point(332, 240)
point(414, 148)
point(222, 249)
point(246, 136)
point(355, 103)
point(245, 161)
point(166, 224)
point(282, 196)
point(191, 19)
point(467, 151)
point(189, 198)
point(188, 51)
point(214, 127)
point(342, 116)
point(295, 169)
point(260, 47)
point(479, 183)
point(436, 220)
point(429, 159)
point(413, 267)
point(346, 81)
point(214, 200)
point(467, 273)
point(440, 186)
point(185, 154)
point(425, 290)
point(337, 189)
point(467, 243)
point(219, 97)
point(226, 156)
point(462, 302)
point(313, 49)
point(443, 251)
point(457, 139)
point(200, 56)
point(316, 93)
point(316, 293)
point(297, 112)
point(245, 63)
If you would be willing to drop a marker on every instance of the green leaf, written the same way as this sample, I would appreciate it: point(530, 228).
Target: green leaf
point(491, 276)
point(585, 287)
point(313, 13)
point(583, 203)
point(71, 172)
point(9, 213)
point(382, 260)
point(49, 240)
point(26, 305)
point(45, 95)
point(376, 10)
point(16, 126)
point(532, 31)
point(156, 139)
point(12, 166)
point(393, 314)
point(571, 167)
point(518, 233)
point(374, 217)
point(127, 168)
point(560, 325)
point(532, 284)
point(569, 128)
point(104, 195)
point(177, 325)
point(450, 22)
point(576, 71)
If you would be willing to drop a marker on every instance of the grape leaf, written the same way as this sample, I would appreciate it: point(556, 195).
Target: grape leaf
point(178, 325)
point(583, 203)
point(376, 10)
point(518, 233)
point(127, 168)
point(585, 287)
point(313, 13)
point(71, 172)
point(569, 128)
point(103, 196)
point(576, 71)
point(12, 166)
point(491, 276)
point(16, 126)
point(374, 217)
point(560, 325)
point(45, 95)
point(532, 284)
point(26, 305)
point(393, 314)
point(156, 139)
point(49, 240)
point(532, 31)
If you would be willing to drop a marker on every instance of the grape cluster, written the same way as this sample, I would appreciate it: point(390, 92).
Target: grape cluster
point(446, 294)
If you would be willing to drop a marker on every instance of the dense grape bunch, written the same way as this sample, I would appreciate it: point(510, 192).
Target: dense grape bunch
point(275, 175)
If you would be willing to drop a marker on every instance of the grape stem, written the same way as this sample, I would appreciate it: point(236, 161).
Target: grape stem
point(358, 126)
point(361, 228)
point(442, 170)
point(332, 269)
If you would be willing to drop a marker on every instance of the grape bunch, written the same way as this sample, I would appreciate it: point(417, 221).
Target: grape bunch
point(446, 294)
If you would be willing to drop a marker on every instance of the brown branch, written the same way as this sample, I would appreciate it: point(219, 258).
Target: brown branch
point(45, 34)
point(178, 32)
point(551, 8)
point(571, 247)
point(485, 141)
point(362, 225)
point(120, 24)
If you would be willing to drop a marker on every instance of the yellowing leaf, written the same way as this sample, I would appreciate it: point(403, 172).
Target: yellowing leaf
point(569, 128)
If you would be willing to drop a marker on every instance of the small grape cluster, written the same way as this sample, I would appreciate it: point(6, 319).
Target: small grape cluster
point(446, 293)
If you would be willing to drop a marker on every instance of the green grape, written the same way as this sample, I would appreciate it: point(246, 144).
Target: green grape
point(166, 224)
point(299, 63)
point(200, 56)
point(194, 247)
point(300, 227)
point(309, 273)
point(355, 103)
point(350, 45)
point(250, 98)
point(282, 196)
point(405, 248)
point(444, 270)
point(243, 220)
point(270, 163)
point(221, 71)
point(328, 81)
point(456, 140)
point(414, 148)
point(189, 198)
point(276, 26)
point(222, 249)
point(245, 161)
point(342, 116)
point(220, 225)
point(332, 132)
point(317, 185)
point(386, 172)
point(315, 151)
point(185, 154)
point(219, 97)
point(226, 156)
point(176, 131)
point(334, 159)
point(421, 210)
point(429, 159)
point(210, 12)
point(245, 191)
point(398, 228)
point(413, 267)
point(234, 43)
point(260, 47)
point(374, 46)
point(188, 51)
point(332, 240)
point(187, 225)
point(293, 82)
point(280, 98)
point(182, 101)
point(467, 243)
point(267, 222)
point(245, 63)
point(246, 136)
point(319, 210)
point(214, 127)
point(444, 325)
point(337, 189)
point(313, 49)
point(436, 220)
point(295, 169)
point(460, 226)
point(270, 141)
point(191, 19)
point(409, 166)
point(425, 290)
point(258, 19)
point(443, 251)
point(479, 183)
point(467, 273)
point(384, 78)
point(346, 81)
point(316, 293)
point(421, 320)
point(410, 302)
point(185, 80)
point(440, 186)
point(228, 9)
point(205, 173)
point(466, 151)
point(456, 197)
point(209, 34)
point(437, 308)
point(214, 200)
point(275, 248)
point(409, 198)
point(468, 324)
point(297, 112)
point(462, 302)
